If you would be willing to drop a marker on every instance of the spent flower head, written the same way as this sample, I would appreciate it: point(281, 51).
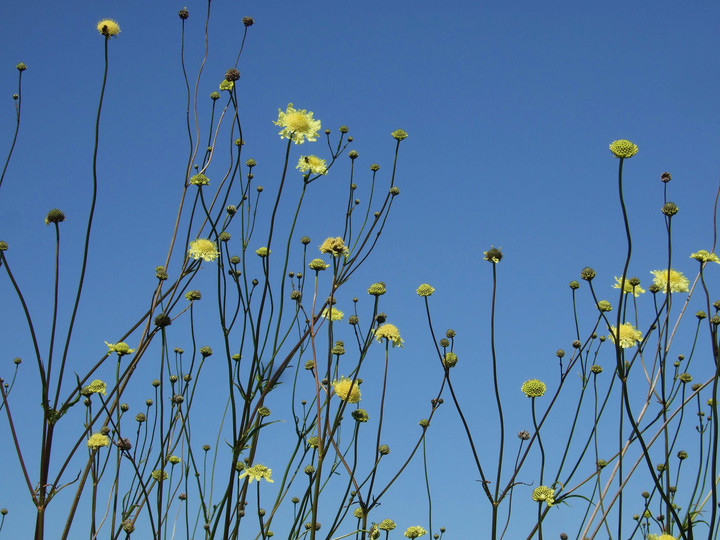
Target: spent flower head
point(623, 148)
point(297, 124)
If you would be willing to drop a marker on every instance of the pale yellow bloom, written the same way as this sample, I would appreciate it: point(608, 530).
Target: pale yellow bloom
point(297, 124)
point(390, 333)
point(335, 246)
point(623, 148)
point(313, 164)
point(637, 290)
point(108, 27)
point(346, 390)
point(96, 387)
point(97, 440)
point(678, 282)
point(629, 335)
point(333, 315)
point(257, 472)
point(415, 532)
point(544, 493)
point(121, 348)
point(204, 249)
point(533, 388)
point(704, 256)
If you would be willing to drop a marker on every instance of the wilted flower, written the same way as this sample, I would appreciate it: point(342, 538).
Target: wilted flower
point(313, 164)
point(628, 335)
point(257, 472)
point(678, 282)
point(297, 124)
point(623, 148)
point(347, 390)
point(533, 388)
point(204, 249)
point(390, 333)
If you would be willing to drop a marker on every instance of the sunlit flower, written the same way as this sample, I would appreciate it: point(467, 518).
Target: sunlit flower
point(399, 134)
point(226, 85)
point(390, 333)
point(297, 124)
point(159, 475)
point(204, 249)
point(544, 493)
point(637, 290)
point(678, 282)
point(95, 387)
point(262, 252)
point(415, 532)
point(387, 525)
point(318, 264)
point(257, 472)
point(108, 27)
point(174, 460)
point(97, 440)
point(604, 305)
point(121, 348)
point(703, 256)
point(333, 315)
point(199, 180)
point(623, 148)
point(313, 164)
point(347, 390)
point(425, 290)
point(335, 246)
point(377, 289)
point(629, 335)
point(533, 388)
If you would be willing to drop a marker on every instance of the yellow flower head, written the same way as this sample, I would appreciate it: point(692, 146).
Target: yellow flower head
point(159, 475)
point(318, 264)
point(257, 472)
point(544, 493)
point(703, 256)
point(533, 388)
point(387, 525)
point(636, 290)
point(399, 134)
point(262, 252)
point(121, 348)
point(390, 333)
point(297, 125)
point(664, 537)
point(226, 86)
point(108, 27)
point(623, 148)
point(678, 282)
point(347, 390)
point(313, 164)
point(204, 249)
point(425, 290)
point(629, 335)
point(415, 532)
point(97, 440)
point(96, 387)
point(334, 246)
point(333, 314)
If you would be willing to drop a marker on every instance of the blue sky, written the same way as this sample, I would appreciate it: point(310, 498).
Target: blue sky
point(509, 110)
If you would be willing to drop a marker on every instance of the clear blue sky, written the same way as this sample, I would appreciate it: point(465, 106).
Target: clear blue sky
point(509, 108)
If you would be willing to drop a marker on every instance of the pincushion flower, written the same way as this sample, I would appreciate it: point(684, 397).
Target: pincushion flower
point(544, 493)
point(97, 440)
point(335, 246)
point(95, 387)
point(387, 525)
point(159, 475)
point(623, 148)
point(347, 390)
point(121, 348)
point(425, 290)
point(390, 333)
point(333, 315)
point(204, 249)
point(313, 164)
point(703, 256)
point(628, 335)
point(678, 282)
point(415, 532)
point(257, 472)
point(637, 290)
point(108, 27)
point(297, 124)
point(533, 388)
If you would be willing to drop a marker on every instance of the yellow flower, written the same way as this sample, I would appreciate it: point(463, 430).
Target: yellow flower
point(313, 164)
point(333, 315)
point(96, 387)
point(415, 532)
point(346, 390)
point(257, 472)
point(629, 335)
point(334, 246)
point(623, 148)
point(317, 264)
point(637, 290)
point(544, 493)
point(108, 27)
point(159, 475)
point(703, 256)
point(121, 348)
point(399, 134)
point(97, 440)
point(226, 85)
point(199, 180)
point(390, 333)
point(664, 537)
point(678, 282)
point(425, 290)
point(297, 124)
point(203, 249)
point(262, 252)
point(533, 388)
